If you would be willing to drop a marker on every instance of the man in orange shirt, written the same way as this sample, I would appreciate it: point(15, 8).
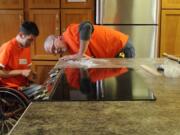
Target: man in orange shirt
point(15, 59)
point(89, 40)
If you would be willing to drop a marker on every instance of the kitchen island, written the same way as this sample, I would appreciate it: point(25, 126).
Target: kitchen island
point(161, 117)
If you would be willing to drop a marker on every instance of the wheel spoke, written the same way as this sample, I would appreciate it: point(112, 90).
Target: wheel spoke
point(11, 122)
point(2, 128)
point(8, 126)
point(11, 108)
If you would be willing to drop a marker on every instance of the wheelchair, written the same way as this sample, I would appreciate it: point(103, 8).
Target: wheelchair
point(12, 105)
point(14, 102)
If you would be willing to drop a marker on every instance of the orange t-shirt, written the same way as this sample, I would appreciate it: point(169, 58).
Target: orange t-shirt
point(13, 57)
point(104, 42)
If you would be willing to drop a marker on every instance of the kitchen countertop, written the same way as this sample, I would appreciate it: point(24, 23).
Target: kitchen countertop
point(160, 117)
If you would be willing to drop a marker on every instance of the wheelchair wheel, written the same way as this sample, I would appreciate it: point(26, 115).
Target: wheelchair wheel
point(12, 105)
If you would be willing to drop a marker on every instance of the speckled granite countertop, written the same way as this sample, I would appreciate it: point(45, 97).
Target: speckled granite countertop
point(160, 117)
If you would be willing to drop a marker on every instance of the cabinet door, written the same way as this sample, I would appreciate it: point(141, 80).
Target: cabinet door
point(69, 16)
point(44, 4)
point(77, 3)
point(170, 32)
point(11, 4)
point(9, 23)
point(171, 4)
point(48, 22)
point(42, 68)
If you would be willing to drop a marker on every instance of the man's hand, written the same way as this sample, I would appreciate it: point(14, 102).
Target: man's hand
point(32, 77)
point(71, 57)
point(74, 57)
point(26, 72)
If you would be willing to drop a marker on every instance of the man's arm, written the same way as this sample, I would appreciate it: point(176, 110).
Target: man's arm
point(83, 47)
point(11, 73)
point(85, 31)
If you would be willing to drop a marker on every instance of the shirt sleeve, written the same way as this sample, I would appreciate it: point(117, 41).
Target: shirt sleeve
point(4, 55)
point(85, 30)
point(129, 50)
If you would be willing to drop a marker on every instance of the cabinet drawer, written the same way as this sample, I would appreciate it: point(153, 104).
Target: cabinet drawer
point(77, 3)
point(44, 3)
point(171, 4)
point(11, 4)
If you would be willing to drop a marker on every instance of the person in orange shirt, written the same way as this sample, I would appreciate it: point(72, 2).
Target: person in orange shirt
point(15, 59)
point(89, 40)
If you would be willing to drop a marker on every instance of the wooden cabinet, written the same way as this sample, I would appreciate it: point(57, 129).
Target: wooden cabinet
point(170, 27)
point(42, 68)
point(9, 23)
point(48, 22)
point(170, 32)
point(77, 3)
point(171, 4)
point(44, 4)
point(11, 4)
point(75, 16)
point(76, 11)
point(11, 16)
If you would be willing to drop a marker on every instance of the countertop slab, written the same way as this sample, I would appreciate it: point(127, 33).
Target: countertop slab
point(160, 117)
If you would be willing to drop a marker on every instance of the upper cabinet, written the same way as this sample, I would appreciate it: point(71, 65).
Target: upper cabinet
point(170, 32)
point(69, 16)
point(48, 22)
point(170, 27)
point(77, 3)
point(171, 4)
point(11, 14)
point(11, 4)
point(8, 29)
point(76, 11)
point(44, 4)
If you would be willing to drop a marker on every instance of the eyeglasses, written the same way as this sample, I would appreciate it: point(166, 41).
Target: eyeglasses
point(53, 46)
point(55, 49)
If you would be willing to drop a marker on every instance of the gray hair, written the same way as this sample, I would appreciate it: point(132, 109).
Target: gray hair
point(48, 43)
